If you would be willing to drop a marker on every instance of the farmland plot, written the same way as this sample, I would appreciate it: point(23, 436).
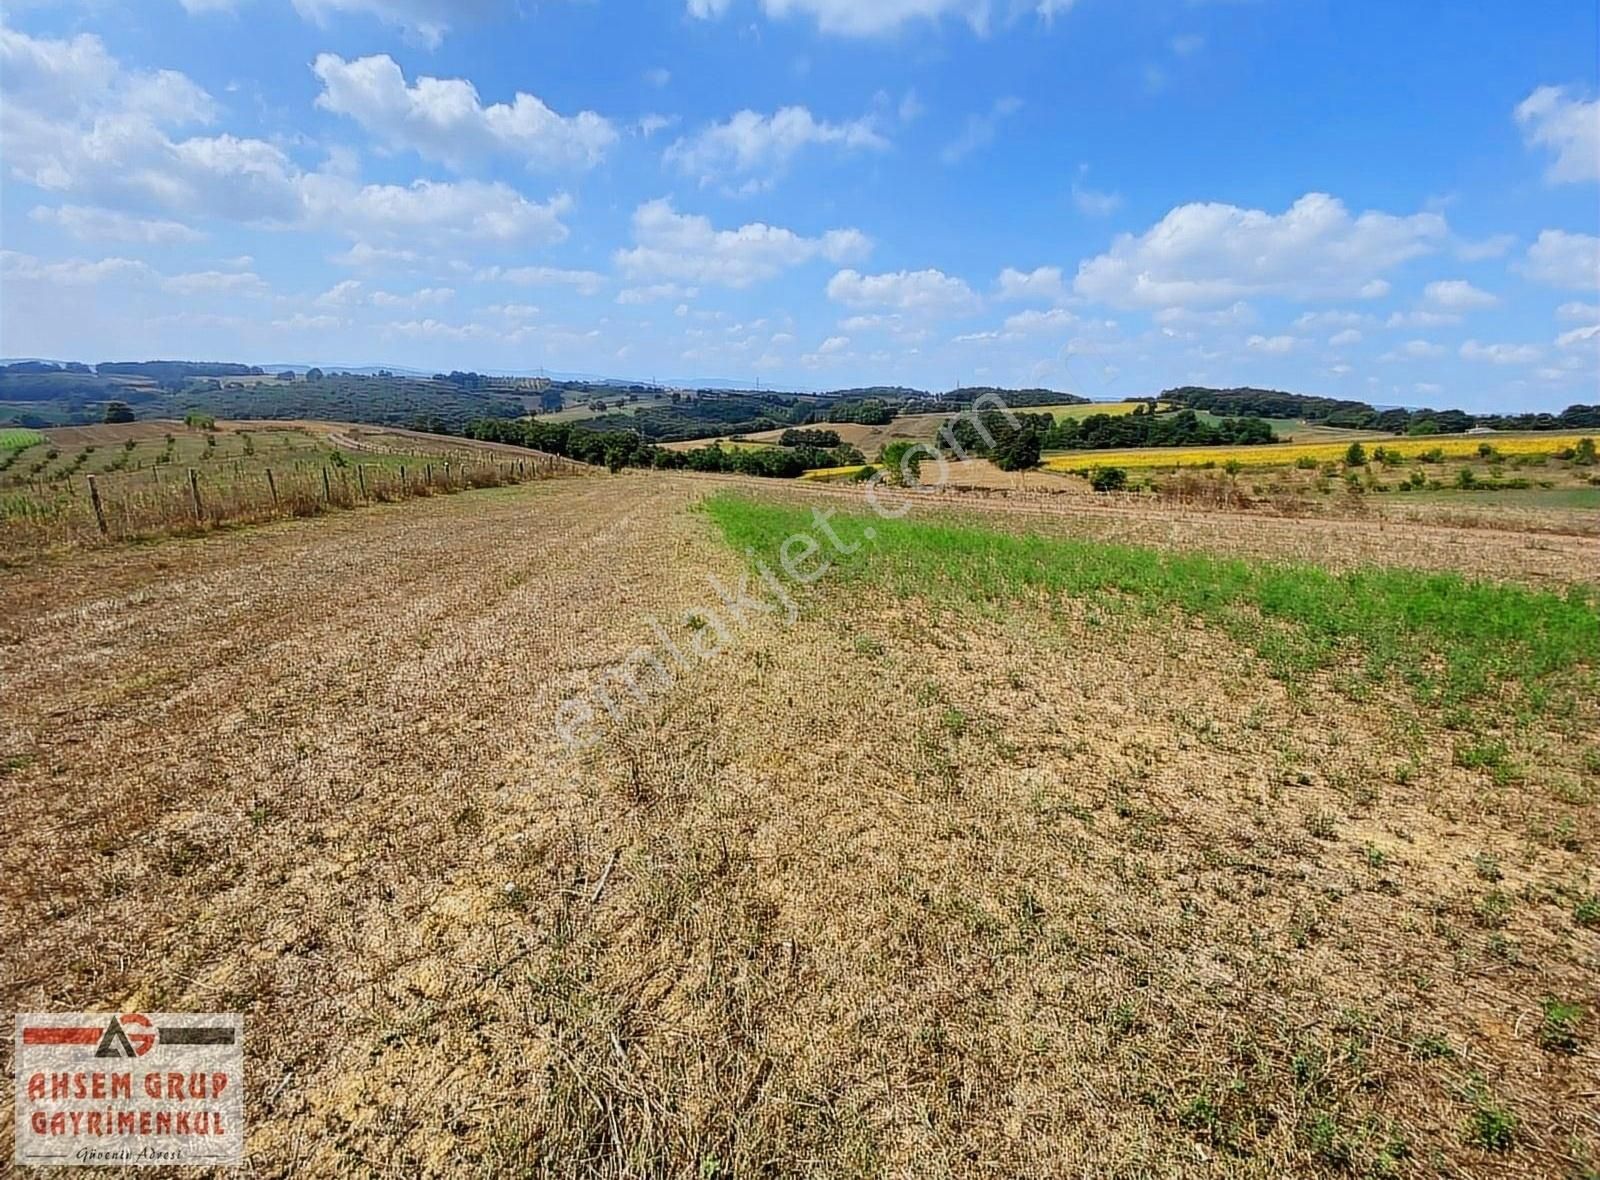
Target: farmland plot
point(1140, 847)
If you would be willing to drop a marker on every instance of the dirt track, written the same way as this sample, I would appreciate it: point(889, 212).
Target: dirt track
point(308, 772)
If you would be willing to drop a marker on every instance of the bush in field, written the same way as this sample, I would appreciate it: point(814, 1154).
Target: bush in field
point(1583, 454)
point(118, 412)
point(195, 420)
point(1356, 455)
point(903, 461)
point(1108, 479)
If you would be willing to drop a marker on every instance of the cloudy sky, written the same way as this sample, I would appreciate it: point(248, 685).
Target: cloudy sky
point(1394, 202)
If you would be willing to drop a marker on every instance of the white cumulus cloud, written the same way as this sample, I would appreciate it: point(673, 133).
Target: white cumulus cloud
point(444, 119)
point(1214, 253)
point(1567, 126)
point(1564, 259)
point(1458, 295)
point(760, 147)
point(1275, 345)
point(928, 292)
point(685, 247)
point(1042, 283)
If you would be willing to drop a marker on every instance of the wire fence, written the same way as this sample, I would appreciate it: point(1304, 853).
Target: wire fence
point(91, 509)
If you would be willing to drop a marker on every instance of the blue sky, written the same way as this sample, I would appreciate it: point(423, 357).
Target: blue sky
point(1393, 202)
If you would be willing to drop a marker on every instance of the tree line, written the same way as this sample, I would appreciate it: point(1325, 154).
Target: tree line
point(1020, 439)
point(1355, 415)
point(617, 449)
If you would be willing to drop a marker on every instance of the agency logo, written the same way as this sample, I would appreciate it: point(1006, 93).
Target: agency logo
point(129, 1088)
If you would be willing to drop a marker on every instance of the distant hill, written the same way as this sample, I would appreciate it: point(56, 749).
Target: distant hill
point(1354, 415)
point(35, 395)
point(167, 371)
point(1015, 398)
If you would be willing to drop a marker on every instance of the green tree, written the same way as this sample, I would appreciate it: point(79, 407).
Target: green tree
point(1584, 455)
point(902, 461)
point(1108, 479)
point(1020, 452)
point(119, 412)
point(1356, 456)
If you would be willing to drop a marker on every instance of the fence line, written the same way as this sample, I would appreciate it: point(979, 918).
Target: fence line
point(43, 514)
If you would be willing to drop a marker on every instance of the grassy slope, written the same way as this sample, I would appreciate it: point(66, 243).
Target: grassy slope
point(17, 438)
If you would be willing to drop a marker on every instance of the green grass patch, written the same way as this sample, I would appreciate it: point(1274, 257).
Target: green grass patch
point(1451, 639)
point(16, 438)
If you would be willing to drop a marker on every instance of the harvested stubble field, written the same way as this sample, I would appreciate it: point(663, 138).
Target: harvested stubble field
point(1023, 851)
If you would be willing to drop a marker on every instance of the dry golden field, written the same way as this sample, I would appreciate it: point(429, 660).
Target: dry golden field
point(944, 878)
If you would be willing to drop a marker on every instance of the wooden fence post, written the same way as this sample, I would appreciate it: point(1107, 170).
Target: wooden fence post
point(194, 494)
point(427, 474)
point(361, 478)
point(99, 513)
point(272, 485)
point(327, 493)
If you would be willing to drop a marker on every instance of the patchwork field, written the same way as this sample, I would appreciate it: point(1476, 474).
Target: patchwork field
point(1054, 836)
point(1453, 447)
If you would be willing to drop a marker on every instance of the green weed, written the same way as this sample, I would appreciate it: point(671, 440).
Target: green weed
point(1449, 638)
point(1558, 1032)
